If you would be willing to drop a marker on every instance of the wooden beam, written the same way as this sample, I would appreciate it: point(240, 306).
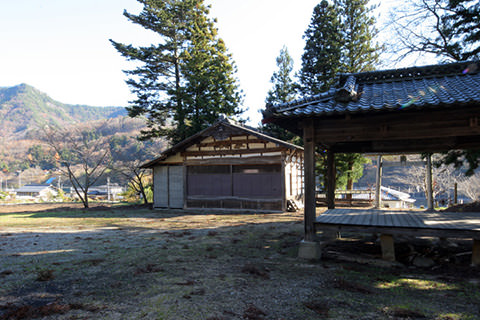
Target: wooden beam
point(476, 252)
point(404, 146)
point(226, 143)
point(231, 152)
point(309, 176)
point(226, 161)
point(331, 177)
point(440, 122)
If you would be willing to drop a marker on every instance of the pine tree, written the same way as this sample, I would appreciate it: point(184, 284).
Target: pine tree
point(338, 39)
point(322, 53)
point(209, 76)
point(359, 53)
point(187, 79)
point(462, 24)
point(283, 91)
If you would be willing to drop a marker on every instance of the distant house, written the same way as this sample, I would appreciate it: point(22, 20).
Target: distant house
point(104, 191)
point(391, 198)
point(36, 192)
point(229, 166)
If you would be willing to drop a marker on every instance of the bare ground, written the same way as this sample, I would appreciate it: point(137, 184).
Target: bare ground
point(135, 263)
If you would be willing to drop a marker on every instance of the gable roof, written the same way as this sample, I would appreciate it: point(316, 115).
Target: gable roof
point(33, 188)
point(434, 86)
point(221, 127)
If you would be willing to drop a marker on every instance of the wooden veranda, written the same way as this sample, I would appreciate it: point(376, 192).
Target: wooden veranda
point(389, 223)
point(414, 110)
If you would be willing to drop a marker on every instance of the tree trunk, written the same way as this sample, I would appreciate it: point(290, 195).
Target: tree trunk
point(85, 199)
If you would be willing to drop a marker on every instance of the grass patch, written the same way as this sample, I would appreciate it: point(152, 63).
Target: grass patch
point(137, 263)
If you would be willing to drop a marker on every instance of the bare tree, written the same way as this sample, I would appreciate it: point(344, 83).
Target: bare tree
point(136, 176)
point(419, 29)
point(82, 155)
point(443, 178)
point(470, 186)
point(129, 154)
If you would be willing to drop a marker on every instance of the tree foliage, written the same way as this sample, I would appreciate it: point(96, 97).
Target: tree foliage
point(449, 29)
point(322, 52)
point(359, 52)
point(283, 91)
point(184, 82)
point(339, 38)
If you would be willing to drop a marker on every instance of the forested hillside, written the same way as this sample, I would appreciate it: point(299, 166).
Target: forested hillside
point(24, 108)
point(24, 113)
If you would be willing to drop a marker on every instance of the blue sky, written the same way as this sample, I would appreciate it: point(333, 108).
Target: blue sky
point(61, 47)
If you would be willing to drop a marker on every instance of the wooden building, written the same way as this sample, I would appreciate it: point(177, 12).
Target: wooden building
point(229, 166)
point(421, 109)
point(34, 191)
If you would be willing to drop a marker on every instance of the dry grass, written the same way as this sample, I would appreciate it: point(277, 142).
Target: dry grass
point(134, 263)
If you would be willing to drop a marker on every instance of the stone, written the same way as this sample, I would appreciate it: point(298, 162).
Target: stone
point(423, 262)
point(388, 247)
point(309, 250)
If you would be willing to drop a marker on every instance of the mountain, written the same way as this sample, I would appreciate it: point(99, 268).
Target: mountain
point(23, 107)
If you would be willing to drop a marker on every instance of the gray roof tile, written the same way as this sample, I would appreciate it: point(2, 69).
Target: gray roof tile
point(390, 90)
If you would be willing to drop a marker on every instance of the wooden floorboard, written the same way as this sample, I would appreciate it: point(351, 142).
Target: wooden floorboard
point(411, 221)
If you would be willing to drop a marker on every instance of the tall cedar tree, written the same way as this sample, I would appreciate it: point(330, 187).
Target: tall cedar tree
point(283, 91)
point(338, 39)
point(322, 52)
point(189, 59)
point(210, 88)
point(359, 54)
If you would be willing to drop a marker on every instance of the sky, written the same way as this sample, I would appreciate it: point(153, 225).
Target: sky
point(62, 48)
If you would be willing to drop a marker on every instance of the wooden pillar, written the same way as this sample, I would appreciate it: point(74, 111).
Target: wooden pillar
point(309, 174)
point(331, 179)
point(455, 193)
point(476, 252)
point(429, 183)
point(378, 186)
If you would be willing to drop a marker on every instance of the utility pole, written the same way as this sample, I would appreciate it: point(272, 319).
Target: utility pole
point(108, 188)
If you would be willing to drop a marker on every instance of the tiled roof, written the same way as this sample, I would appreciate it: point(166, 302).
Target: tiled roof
point(33, 188)
point(390, 90)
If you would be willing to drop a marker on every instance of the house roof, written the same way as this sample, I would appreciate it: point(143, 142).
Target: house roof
point(33, 188)
point(222, 125)
point(434, 86)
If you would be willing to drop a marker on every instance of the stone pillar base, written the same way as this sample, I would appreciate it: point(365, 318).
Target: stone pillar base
point(388, 248)
point(309, 250)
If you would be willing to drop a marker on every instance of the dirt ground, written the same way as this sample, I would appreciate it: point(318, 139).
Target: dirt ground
point(137, 263)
